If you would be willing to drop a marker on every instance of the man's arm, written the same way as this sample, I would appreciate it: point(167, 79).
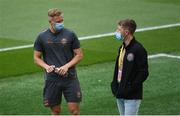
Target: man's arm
point(77, 58)
point(142, 66)
point(41, 63)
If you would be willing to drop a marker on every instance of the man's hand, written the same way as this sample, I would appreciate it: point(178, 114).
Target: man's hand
point(62, 70)
point(49, 69)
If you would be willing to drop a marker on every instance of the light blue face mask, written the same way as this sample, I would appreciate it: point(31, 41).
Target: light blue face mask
point(119, 36)
point(58, 26)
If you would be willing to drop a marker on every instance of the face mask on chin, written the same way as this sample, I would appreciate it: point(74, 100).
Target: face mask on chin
point(119, 36)
point(58, 27)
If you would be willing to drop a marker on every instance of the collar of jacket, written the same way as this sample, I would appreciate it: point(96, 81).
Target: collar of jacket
point(130, 44)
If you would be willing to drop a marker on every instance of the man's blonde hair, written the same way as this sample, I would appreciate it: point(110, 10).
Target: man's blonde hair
point(54, 12)
point(128, 24)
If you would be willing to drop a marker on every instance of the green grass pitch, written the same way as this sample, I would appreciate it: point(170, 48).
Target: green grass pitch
point(21, 82)
point(23, 94)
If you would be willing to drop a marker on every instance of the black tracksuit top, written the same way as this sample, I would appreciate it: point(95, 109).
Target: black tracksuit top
point(134, 72)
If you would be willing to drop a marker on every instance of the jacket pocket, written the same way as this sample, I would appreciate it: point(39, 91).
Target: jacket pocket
point(128, 89)
point(131, 89)
point(114, 88)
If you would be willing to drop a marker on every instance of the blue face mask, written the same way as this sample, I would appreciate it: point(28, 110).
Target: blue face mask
point(119, 36)
point(58, 26)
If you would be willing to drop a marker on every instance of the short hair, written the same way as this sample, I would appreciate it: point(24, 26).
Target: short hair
point(54, 12)
point(128, 24)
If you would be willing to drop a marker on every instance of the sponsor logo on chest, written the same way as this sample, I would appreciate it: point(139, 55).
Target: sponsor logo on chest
point(130, 57)
point(60, 41)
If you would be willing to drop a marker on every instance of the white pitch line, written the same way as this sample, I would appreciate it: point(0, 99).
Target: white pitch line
point(156, 56)
point(16, 48)
point(96, 36)
point(163, 55)
point(138, 30)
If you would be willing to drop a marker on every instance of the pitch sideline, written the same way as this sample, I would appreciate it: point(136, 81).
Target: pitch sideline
point(96, 36)
point(163, 55)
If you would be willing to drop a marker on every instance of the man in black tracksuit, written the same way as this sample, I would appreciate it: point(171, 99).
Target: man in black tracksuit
point(131, 70)
point(57, 50)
